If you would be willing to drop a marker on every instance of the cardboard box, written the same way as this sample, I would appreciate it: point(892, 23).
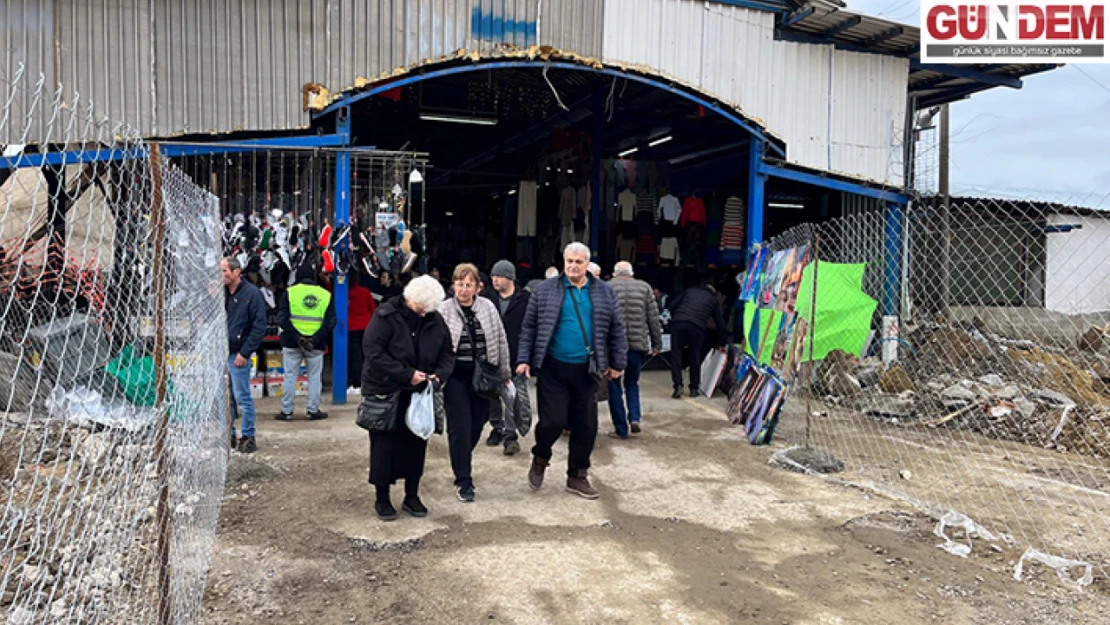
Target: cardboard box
point(302, 386)
point(274, 365)
point(256, 388)
point(273, 386)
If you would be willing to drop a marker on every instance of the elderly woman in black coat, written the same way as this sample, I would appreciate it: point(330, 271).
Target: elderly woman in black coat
point(406, 346)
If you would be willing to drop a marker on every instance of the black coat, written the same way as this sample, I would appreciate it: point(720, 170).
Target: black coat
point(697, 305)
point(513, 319)
point(390, 351)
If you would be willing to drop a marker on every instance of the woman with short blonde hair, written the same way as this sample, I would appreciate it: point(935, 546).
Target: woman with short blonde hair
point(477, 335)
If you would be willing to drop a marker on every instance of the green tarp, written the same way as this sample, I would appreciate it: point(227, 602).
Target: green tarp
point(844, 313)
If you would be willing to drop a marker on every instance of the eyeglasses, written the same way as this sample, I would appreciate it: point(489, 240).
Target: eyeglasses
point(465, 286)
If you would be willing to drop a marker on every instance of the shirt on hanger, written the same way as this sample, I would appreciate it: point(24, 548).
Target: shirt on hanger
point(670, 208)
point(567, 201)
point(627, 201)
point(693, 211)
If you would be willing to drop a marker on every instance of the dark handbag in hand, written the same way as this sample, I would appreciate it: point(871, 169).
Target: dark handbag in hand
point(378, 413)
point(592, 367)
point(487, 377)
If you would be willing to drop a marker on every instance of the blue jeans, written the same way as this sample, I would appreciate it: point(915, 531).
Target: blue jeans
point(631, 379)
point(314, 367)
point(241, 390)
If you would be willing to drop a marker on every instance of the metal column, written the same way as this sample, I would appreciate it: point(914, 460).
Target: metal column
point(892, 277)
point(756, 180)
point(595, 171)
point(339, 293)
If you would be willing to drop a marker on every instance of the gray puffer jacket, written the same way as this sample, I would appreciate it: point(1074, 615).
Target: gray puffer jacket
point(609, 342)
point(640, 314)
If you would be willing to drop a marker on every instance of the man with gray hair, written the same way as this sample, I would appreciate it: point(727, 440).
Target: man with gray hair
point(573, 338)
point(645, 333)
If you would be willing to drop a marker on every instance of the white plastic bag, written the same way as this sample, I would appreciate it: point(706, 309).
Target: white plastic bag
point(421, 415)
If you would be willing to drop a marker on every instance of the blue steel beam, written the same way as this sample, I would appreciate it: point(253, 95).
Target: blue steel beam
point(956, 71)
point(340, 291)
point(892, 259)
point(170, 150)
point(756, 182)
point(886, 35)
point(883, 195)
point(71, 157)
point(747, 125)
point(795, 17)
point(842, 26)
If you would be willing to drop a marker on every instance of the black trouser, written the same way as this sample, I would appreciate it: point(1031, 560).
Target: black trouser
point(564, 394)
point(467, 413)
point(686, 335)
point(354, 358)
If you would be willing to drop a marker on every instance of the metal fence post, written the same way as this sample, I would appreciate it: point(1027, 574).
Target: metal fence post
point(340, 286)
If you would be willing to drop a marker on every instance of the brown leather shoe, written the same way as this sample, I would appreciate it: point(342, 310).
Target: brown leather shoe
point(535, 473)
point(580, 485)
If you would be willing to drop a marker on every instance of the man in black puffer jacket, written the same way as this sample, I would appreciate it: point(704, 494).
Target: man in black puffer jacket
point(689, 314)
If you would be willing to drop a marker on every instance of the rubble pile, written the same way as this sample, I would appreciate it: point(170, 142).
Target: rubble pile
point(962, 376)
point(78, 535)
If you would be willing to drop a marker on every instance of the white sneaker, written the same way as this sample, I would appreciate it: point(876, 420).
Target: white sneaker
point(353, 391)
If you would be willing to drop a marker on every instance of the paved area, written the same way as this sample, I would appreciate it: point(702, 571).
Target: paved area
point(693, 526)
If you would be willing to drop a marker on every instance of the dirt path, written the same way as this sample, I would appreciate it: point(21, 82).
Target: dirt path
point(693, 526)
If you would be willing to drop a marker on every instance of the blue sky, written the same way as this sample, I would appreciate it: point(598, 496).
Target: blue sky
point(1049, 139)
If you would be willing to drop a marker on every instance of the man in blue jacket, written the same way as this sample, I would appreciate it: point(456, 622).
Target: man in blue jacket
point(246, 327)
point(572, 328)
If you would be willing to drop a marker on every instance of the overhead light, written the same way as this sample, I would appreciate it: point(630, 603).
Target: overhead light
point(785, 205)
point(570, 171)
point(627, 152)
point(458, 119)
point(415, 176)
point(448, 214)
point(383, 205)
point(512, 191)
point(659, 141)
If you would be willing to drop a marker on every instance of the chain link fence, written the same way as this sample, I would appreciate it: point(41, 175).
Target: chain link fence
point(113, 446)
point(956, 356)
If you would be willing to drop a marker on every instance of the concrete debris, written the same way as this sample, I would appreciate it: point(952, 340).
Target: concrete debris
point(958, 393)
point(1006, 393)
point(895, 380)
point(868, 376)
point(992, 380)
point(1093, 340)
point(1052, 397)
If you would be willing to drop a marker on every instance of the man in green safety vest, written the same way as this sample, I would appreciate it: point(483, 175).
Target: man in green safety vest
point(306, 316)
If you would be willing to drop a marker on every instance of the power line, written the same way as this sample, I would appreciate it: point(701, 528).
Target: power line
point(1093, 79)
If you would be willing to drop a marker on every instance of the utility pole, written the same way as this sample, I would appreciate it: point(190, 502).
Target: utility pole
point(945, 217)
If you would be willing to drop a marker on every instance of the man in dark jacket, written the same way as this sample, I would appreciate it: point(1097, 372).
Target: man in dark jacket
point(690, 313)
point(511, 303)
point(246, 327)
point(571, 321)
point(306, 316)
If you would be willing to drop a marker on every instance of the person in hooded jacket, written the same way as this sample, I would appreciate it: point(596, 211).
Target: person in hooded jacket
point(512, 303)
point(405, 347)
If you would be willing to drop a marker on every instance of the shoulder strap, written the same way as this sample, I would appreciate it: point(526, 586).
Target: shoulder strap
point(581, 326)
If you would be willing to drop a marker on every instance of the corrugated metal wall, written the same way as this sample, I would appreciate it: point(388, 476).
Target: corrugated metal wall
point(186, 66)
point(837, 111)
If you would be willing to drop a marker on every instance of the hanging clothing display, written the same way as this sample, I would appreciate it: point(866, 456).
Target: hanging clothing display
point(670, 208)
point(568, 205)
point(627, 202)
point(693, 211)
point(626, 248)
point(732, 230)
point(526, 209)
point(668, 250)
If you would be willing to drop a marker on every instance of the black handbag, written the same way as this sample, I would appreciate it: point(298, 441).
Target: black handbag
point(487, 377)
point(378, 413)
point(592, 367)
